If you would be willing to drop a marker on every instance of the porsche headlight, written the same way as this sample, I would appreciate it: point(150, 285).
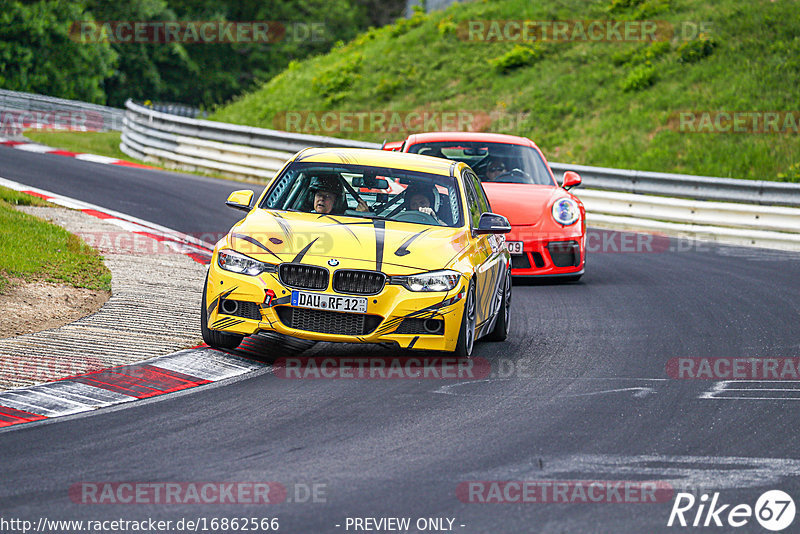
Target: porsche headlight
point(239, 263)
point(432, 281)
point(566, 211)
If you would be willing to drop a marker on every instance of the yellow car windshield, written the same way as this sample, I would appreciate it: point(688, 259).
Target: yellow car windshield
point(367, 192)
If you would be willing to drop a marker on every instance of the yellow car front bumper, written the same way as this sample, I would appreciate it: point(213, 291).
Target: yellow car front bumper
point(395, 315)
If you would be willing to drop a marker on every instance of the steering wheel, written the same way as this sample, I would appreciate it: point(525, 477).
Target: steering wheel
point(416, 216)
point(514, 176)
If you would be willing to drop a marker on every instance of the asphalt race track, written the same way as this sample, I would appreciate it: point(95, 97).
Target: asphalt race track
point(579, 391)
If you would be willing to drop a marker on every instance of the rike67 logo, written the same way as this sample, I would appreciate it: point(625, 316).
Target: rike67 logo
point(774, 511)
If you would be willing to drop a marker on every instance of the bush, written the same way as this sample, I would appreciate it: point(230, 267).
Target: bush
point(334, 82)
point(643, 54)
point(446, 26)
point(519, 56)
point(644, 8)
point(792, 174)
point(639, 78)
point(620, 5)
point(387, 88)
point(404, 25)
point(693, 51)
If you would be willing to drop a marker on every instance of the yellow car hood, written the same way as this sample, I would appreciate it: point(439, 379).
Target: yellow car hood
point(354, 242)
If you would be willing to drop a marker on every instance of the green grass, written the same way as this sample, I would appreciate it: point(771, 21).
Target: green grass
point(101, 143)
point(33, 249)
point(594, 103)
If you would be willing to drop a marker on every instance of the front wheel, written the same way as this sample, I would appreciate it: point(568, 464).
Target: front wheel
point(500, 332)
point(466, 335)
point(214, 338)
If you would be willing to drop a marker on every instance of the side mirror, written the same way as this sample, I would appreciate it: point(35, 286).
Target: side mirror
point(492, 223)
point(571, 179)
point(240, 200)
point(394, 146)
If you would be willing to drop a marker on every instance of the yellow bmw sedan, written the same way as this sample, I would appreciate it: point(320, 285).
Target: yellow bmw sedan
point(363, 246)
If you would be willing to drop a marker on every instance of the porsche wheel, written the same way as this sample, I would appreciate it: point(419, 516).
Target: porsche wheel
point(466, 336)
point(500, 332)
point(214, 338)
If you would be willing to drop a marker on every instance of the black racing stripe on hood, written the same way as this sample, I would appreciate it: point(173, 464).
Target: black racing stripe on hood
point(402, 250)
point(346, 225)
point(380, 236)
point(299, 257)
point(256, 242)
point(285, 228)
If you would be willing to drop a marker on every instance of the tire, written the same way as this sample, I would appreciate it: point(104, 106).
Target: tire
point(500, 331)
point(466, 335)
point(214, 338)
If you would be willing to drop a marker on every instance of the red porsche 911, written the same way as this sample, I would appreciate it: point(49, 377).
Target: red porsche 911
point(548, 223)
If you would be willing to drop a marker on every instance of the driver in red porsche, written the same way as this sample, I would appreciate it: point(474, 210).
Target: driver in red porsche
point(495, 169)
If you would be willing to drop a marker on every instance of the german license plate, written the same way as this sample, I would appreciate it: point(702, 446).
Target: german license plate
point(319, 301)
point(514, 247)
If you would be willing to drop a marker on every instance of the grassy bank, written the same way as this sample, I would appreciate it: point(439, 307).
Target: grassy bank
point(101, 143)
point(612, 104)
point(33, 249)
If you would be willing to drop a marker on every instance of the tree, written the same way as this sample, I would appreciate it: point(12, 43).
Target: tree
point(38, 55)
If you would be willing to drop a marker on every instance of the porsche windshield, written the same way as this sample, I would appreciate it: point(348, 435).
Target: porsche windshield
point(369, 192)
point(492, 162)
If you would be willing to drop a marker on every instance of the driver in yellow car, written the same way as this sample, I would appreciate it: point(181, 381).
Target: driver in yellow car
point(421, 198)
point(326, 191)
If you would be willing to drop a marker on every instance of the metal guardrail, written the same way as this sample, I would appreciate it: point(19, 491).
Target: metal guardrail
point(749, 212)
point(196, 144)
point(176, 109)
point(686, 186)
point(41, 111)
point(725, 222)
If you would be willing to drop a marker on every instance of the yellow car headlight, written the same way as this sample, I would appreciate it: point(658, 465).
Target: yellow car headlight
point(239, 263)
point(444, 280)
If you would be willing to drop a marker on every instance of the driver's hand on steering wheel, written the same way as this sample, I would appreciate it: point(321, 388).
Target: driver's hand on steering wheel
point(429, 211)
point(362, 206)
